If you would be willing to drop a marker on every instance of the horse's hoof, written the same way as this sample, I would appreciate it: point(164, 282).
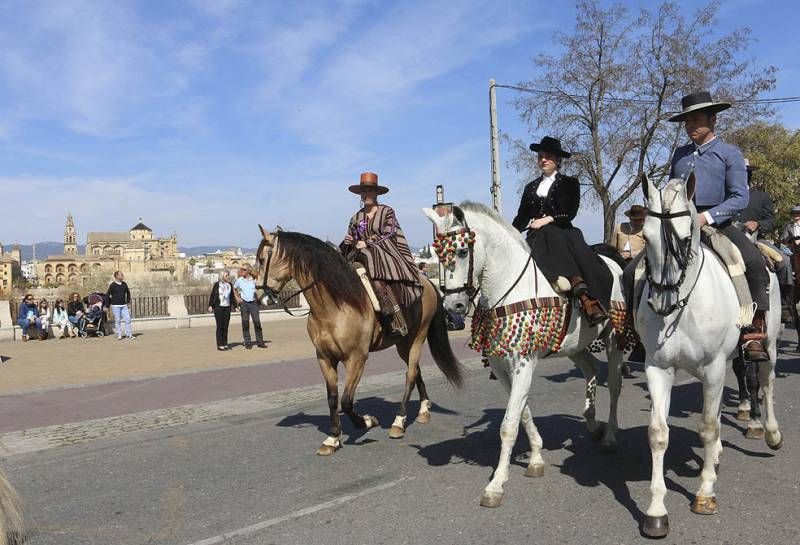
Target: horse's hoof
point(423, 418)
point(598, 432)
point(778, 445)
point(754, 433)
point(608, 447)
point(535, 470)
point(327, 450)
point(705, 505)
point(371, 421)
point(655, 527)
point(743, 414)
point(491, 499)
point(396, 432)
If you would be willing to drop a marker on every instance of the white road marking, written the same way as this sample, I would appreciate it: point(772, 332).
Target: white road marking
point(252, 529)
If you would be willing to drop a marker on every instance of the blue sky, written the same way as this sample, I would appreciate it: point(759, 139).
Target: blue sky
point(208, 117)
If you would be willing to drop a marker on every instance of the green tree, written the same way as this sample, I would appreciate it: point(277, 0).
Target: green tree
point(775, 150)
point(618, 77)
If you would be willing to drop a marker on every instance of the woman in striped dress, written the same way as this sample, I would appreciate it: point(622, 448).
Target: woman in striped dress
point(374, 239)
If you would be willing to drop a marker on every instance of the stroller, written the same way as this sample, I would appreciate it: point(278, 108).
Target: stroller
point(93, 322)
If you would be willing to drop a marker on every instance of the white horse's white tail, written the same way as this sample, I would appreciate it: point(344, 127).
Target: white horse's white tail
point(11, 523)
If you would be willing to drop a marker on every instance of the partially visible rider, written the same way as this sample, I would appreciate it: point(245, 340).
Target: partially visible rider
point(375, 240)
point(721, 193)
point(548, 206)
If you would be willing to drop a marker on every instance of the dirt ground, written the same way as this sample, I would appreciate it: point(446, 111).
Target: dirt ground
point(54, 363)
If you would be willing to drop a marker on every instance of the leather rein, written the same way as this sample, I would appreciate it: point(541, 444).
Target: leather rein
point(677, 249)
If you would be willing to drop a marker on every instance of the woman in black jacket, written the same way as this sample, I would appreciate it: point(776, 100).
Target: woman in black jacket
point(220, 302)
point(548, 206)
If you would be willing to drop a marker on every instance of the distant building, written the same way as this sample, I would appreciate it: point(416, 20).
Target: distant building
point(208, 265)
point(10, 269)
point(135, 252)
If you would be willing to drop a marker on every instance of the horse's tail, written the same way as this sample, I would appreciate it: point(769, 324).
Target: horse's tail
point(439, 343)
point(11, 527)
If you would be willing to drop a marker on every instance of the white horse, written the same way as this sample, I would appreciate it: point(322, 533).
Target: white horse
point(482, 251)
point(687, 319)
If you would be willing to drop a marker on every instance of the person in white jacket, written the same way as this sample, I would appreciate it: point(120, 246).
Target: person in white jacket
point(62, 327)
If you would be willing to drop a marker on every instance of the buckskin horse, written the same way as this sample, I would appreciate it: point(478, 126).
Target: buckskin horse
point(520, 321)
point(343, 326)
point(687, 319)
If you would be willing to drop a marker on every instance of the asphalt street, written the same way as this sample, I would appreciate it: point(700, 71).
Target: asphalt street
point(255, 478)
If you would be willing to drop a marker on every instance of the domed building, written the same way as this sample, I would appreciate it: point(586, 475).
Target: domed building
point(137, 253)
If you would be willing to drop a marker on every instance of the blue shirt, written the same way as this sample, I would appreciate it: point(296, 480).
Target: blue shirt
point(246, 287)
point(720, 174)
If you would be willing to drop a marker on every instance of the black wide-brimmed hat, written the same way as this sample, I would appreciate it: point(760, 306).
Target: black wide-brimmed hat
point(368, 180)
point(795, 209)
point(551, 145)
point(699, 101)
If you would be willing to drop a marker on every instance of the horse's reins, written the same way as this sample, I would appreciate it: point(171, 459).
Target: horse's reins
point(271, 293)
point(678, 250)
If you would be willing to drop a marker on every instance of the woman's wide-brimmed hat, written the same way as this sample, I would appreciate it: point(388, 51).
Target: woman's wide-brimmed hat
point(699, 101)
point(369, 180)
point(551, 145)
point(636, 212)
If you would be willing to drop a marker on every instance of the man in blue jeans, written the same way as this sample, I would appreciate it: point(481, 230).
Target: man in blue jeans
point(27, 316)
point(120, 296)
point(245, 290)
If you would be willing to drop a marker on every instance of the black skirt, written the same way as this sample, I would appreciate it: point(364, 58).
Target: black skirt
point(561, 251)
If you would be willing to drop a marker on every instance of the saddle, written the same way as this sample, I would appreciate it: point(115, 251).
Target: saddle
point(772, 257)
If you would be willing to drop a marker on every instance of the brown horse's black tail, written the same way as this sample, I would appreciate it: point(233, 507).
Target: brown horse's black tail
point(439, 344)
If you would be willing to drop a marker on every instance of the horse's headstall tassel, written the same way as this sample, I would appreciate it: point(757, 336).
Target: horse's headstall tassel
point(447, 244)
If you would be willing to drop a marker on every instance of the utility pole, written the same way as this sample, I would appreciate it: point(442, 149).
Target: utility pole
point(495, 148)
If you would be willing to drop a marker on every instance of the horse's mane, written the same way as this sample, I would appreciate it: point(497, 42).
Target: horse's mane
point(320, 262)
point(483, 210)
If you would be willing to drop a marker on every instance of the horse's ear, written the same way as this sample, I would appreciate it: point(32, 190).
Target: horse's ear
point(647, 187)
point(691, 185)
point(431, 215)
point(265, 234)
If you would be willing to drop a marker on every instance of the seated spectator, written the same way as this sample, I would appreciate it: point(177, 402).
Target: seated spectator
point(75, 309)
point(28, 316)
point(62, 327)
point(44, 318)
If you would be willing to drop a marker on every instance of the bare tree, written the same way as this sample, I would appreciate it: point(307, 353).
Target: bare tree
point(619, 77)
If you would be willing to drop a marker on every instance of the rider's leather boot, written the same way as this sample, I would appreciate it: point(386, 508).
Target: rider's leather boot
point(591, 308)
point(753, 338)
point(392, 320)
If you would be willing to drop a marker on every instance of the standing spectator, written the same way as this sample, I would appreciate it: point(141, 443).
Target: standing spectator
point(28, 316)
point(628, 238)
point(120, 297)
point(220, 303)
point(423, 269)
point(75, 309)
point(44, 319)
point(245, 293)
point(61, 323)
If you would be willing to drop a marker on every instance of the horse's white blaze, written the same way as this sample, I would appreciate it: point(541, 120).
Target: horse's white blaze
point(499, 256)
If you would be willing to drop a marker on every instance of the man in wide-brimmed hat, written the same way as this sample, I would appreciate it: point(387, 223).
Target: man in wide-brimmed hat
point(628, 237)
point(721, 192)
point(759, 214)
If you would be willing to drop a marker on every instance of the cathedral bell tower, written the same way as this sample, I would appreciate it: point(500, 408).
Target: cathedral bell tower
point(70, 238)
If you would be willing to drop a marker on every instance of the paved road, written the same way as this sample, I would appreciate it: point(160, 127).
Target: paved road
point(254, 476)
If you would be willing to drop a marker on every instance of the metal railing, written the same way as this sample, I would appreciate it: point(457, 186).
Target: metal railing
point(149, 307)
point(198, 303)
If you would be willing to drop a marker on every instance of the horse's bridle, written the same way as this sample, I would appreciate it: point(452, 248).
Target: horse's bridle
point(270, 293)
point(441, 239)
point(679, 250)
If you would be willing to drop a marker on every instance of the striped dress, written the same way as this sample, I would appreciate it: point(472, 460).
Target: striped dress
point(387, 256)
